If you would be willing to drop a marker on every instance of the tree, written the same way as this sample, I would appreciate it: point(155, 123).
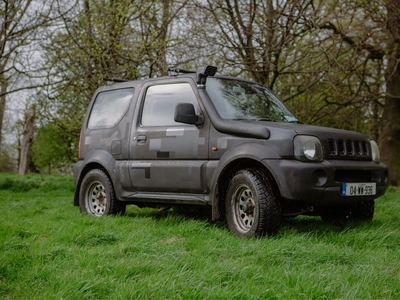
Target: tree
point(53, 148)
point(157, 29)
point(381, 88)
point(96, 39)
point(26, 141)
point(289, 47)
point(354, 81)
point(327, 60)
point(93, 40)
point(21, 21)
point(390, 144)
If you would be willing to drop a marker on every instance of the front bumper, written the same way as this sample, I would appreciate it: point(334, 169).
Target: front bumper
point(321, 183)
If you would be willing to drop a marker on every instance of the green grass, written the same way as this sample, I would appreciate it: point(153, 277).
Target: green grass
point(48, 250)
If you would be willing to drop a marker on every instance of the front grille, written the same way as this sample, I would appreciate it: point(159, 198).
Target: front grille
point(348, 149)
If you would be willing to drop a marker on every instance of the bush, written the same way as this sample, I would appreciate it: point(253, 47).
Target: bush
point(6, 163)
point(15, 183)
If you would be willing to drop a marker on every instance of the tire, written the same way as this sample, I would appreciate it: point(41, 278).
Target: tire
point(97, 196)
point(252, 205)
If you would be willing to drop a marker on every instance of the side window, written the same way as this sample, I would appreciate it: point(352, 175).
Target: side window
point(109, 107)
point(160, 101)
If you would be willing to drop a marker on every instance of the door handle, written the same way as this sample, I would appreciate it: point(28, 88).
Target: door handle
point(141, 139)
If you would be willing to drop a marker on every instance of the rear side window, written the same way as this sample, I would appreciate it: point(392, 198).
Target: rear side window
point(109, 107)
point(160, 101)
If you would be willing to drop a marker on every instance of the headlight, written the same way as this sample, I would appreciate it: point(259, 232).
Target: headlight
point(308, 148)
point(376, 157)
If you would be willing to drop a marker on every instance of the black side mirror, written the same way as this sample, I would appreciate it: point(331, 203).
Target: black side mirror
point(185, 113)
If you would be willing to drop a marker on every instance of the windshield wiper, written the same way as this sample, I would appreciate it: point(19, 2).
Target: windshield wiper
point(258, 119)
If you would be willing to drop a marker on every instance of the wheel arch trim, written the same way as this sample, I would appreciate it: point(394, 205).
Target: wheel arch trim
point(97, 160)
point(241, 156)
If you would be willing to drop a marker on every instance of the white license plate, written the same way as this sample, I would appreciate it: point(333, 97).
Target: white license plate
point(358, 189)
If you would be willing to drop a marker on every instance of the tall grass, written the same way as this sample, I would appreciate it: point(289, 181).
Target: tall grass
point(48, 250)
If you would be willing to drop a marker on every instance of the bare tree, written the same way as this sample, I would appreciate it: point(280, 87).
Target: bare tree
point(380, 83)
point(297, 49)
point(20, 23)
point(158, 26)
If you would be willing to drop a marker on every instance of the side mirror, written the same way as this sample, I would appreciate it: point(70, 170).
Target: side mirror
point(185, 113)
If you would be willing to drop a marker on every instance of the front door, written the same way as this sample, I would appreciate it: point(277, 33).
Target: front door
point(167, 156)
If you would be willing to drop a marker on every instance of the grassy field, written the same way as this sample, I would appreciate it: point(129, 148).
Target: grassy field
point(50, 251)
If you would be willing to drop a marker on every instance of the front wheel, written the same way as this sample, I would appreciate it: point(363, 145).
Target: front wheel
point(97, 196)
point(252, 204)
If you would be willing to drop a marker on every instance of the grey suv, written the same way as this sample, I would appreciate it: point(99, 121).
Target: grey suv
point(203, 141)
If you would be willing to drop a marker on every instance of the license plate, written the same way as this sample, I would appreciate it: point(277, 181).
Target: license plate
point(358, 189)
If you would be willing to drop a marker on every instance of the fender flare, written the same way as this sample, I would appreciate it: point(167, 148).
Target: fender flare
point(103, 160)
point(252, 151)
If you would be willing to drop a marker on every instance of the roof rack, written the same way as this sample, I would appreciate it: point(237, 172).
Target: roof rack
point(201, 73)
point(116, 79)
point(177, 71)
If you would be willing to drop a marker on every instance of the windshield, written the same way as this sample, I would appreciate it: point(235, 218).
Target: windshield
point(241, 100)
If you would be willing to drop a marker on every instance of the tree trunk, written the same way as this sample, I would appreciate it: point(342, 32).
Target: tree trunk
point(161, 50)
point(26, 143)
point(390, 142)
point(3, 89)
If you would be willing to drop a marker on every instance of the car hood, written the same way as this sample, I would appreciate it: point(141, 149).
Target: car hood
point(323, 133)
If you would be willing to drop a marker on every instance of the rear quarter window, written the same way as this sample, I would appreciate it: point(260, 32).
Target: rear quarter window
point(109, 108)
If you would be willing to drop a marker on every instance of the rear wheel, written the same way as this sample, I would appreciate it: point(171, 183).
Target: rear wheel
point(97, 196)
point(252, 204)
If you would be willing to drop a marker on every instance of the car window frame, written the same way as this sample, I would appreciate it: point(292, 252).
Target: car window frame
point(164, 83)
